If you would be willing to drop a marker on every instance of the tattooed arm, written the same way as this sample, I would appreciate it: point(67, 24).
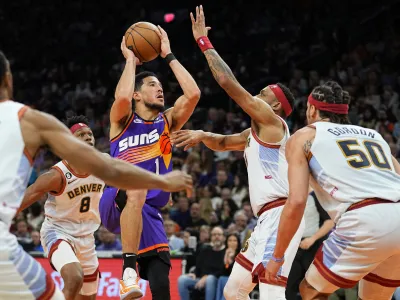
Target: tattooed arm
point(256, 108)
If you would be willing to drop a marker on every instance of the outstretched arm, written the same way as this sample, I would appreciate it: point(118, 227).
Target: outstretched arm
point(256, 108)
point(214, 141)
point(51, 181)
point(185, 104)
point(43, 129)
point(122, 106)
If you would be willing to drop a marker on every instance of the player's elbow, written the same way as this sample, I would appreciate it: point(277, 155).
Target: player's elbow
point(194, 95)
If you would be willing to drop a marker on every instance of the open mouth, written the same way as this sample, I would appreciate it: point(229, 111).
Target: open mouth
point(160, 97)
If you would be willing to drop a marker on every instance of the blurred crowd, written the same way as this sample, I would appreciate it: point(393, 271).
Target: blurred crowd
point(69, 62)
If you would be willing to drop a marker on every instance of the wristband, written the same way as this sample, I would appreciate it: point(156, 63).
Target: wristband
point(278, 260)
point(170, 57)
point(204, 43)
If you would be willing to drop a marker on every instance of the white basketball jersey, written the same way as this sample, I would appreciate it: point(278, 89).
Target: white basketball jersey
point(351, 163)
point(267, 170)
point(15, 165)
point(75, 210)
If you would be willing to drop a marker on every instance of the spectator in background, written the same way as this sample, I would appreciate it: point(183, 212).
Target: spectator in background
point(232, 248)
point(251, 219)
point(181, 215)
point(37, 246)
point(23, 235)
point(317, 226)
point(195, 220)
point(109, 241)
point(240, 226)
point(175, 243)
point(204, 235)
point(206, 207)
point(240, 190)
point(221, 181)
point(209, 265)
point(228, 211)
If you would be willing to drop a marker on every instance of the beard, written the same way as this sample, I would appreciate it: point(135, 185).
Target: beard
point(154, 106)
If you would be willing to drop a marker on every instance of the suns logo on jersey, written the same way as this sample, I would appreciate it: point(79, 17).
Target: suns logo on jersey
point(138, 140)
point(246, 246)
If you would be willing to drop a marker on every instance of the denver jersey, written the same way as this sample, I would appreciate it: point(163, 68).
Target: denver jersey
point(350, 164)
point(267, 170)
point(146, 144)
point(15, 162)
point(75, 209)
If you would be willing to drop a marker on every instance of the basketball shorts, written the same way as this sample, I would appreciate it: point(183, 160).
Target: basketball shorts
point(365, 245)
point(259, 248)
point(62, 248)
point(21, 276)
point(153, 239)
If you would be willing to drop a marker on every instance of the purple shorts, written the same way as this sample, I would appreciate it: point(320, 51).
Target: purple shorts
point(153, 234)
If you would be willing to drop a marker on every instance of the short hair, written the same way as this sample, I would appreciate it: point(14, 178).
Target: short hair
point(332, 92)
point(3, 66)
point(288, 94)
point(71, 121)
point(240, 213)
point(140, 77)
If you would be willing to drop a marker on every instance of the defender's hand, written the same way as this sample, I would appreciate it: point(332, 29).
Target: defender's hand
point(199, 24)
point(187, 138)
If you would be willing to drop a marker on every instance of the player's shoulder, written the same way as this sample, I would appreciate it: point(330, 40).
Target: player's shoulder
point(304, 133)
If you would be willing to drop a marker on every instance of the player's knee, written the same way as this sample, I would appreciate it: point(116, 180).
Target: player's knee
point(72, 275)
point(136, 198)
point(230, 291)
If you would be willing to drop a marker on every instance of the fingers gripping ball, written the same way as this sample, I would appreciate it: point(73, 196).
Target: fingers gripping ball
point(143, 40)
point(165, 144)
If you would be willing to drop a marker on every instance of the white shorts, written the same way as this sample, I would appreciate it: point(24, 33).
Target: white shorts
point(364, 246)
point(83, 252)
point(21, 276)
point(259, 248)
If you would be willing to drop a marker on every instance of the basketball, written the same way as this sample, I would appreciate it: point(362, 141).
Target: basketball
point(165, 144)
point(143, 40)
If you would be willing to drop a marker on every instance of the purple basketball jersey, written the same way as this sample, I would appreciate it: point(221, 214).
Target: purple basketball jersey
point(146, 144)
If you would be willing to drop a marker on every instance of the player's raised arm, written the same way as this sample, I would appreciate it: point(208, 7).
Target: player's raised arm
point(51, 181)
point(122, 106)
point(113, 171)
point(185, 104)
point(213, 141)
point(257, 109)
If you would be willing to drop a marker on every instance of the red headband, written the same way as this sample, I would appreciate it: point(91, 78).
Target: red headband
point(342, 109)
point(287, 108)
point(77, 126)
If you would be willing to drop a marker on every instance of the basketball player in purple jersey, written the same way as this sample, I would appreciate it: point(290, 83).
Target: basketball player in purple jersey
point(141, 137)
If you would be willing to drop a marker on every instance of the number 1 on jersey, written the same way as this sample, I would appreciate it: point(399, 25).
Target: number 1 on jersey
point(157, 166)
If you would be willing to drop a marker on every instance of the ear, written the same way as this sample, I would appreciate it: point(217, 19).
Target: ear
point(276, 105)
point(136, 96)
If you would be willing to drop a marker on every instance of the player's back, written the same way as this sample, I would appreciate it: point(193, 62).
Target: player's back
point(75, 209)
point(146, 144)
point(351, 163)
point(15, 162)
point(267, 170)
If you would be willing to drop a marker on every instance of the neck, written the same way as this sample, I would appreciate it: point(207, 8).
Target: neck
point(146, 113)
point(217, 248)
point(3, 95)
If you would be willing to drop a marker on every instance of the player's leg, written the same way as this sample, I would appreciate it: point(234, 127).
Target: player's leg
point(90, 266)
point(382, 282)
point(157, 270)
point(269, 291)
point(131, 230)
point(354, 251)
point(64, 260)
point(22, 277)
point(240, 282)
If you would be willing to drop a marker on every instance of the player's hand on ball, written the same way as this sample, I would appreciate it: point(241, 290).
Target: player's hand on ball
point(178, 181)
point(186, 138)
point(199, 24)
point(128, 54)
point(165, 45)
